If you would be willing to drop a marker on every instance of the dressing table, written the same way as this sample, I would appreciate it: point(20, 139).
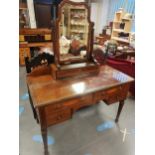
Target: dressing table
point(57, 91)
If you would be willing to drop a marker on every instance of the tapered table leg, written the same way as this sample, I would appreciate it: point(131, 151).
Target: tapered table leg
point(44, 136)
point(43, 125)
point(121, 104)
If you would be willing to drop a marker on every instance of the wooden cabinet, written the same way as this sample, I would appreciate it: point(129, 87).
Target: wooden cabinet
point(32, 38)
point(23, 52)
point(43, 13)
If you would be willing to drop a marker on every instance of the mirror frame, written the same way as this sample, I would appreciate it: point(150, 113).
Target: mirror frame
point(55, 33)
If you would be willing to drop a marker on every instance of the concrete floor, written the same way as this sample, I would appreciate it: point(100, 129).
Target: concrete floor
point(79, 136)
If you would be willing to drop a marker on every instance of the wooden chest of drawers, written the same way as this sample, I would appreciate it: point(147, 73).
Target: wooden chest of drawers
point(59, 112)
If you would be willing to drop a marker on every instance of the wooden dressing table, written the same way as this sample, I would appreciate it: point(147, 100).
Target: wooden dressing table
point(55, 101)
point(59, 90)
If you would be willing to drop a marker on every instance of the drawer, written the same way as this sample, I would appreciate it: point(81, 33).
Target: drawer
point(112, 95)
point(59, 116)
point(53, 108)
point(79, 102)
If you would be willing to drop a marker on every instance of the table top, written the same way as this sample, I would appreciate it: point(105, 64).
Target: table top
point(45, 90)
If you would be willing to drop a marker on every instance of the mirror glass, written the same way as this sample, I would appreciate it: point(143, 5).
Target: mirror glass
point(73, 32)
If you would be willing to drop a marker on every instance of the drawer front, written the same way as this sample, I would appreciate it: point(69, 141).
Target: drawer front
point(64, 73)
point(58, 117)
point(112, 95)
point(79, 102)
point(50, 109)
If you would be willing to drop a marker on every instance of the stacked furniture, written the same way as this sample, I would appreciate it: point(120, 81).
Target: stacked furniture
point(122, 27)
point(32, 38)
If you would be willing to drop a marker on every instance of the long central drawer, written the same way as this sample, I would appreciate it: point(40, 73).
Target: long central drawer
point(79, 102)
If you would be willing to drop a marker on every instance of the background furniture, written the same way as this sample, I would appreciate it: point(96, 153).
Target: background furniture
point(24, 21)
point(48, 9)
point(29, 39)
point(41, 59)
point(43, 14)
point(101, 39)
point(24, 52)
point(121, 27)
point(126, 66)
point(55, 101)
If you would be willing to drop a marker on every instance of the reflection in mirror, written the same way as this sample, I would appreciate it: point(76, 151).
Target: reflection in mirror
point(73, 34)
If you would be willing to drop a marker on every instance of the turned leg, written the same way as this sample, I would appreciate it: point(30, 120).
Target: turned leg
point(44, 136)
point(121, 104)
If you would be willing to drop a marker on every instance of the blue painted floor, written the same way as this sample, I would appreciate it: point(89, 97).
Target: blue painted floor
point(21, 109)
point(25, 96)
point(105, 126)
point(91, 131)
point(38, 139)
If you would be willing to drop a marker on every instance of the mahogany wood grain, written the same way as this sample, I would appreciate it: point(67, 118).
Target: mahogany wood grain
point(72, 87)
point(55, 101)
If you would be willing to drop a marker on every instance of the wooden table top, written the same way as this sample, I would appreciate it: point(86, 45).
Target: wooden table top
point(45, 90)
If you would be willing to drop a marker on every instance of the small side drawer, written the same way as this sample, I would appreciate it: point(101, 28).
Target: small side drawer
point(58, 117)
point(113, 95)
point(110, 96)
point(116, 94)
point(99, 96)
point(79, 102)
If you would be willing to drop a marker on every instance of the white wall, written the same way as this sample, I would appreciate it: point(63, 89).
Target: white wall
point(31, 13)
point(99, 14)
